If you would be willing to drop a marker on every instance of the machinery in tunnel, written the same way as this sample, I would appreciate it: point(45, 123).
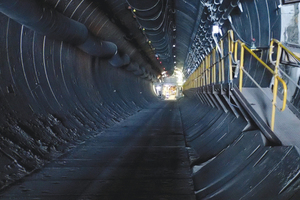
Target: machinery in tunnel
point(71, 69)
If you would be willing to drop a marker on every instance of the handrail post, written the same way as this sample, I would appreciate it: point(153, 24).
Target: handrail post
point(222, 61)
point(193, 80)
point(201, 74)
point(230, 50)
point(275, 87)
point(241, 67)
point(204, 68)
point(208, 69)
point(271, 51)
point(235, 50)
point(220, 69)
point(204, 71)
point(214, 65)
point(191, 83)
point(198, 76)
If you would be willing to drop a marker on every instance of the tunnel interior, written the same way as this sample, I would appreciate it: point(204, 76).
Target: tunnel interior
point(77, 81)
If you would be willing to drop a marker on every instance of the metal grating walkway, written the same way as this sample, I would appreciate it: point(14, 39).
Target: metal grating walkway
point(287, 125)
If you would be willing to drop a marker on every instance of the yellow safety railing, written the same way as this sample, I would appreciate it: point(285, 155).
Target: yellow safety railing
point(206, 73)
point(231, 51)
point(281, 46)
point(277, 78)
point(279, 57)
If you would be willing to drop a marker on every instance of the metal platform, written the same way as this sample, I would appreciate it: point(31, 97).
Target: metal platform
point(287, 125)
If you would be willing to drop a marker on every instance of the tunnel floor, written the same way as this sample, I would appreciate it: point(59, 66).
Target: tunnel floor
point(143, 157)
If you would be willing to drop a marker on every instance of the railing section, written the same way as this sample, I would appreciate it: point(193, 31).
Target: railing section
point(212, 68)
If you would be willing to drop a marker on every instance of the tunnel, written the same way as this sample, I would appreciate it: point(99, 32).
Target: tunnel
point(84, 113)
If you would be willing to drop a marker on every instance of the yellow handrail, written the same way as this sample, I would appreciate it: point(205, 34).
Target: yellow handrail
point(206, 73)
point(222, 62)
point(214, 80)
point(280, 45)
point(230, 50)
point(275, 74)
point(277, 62)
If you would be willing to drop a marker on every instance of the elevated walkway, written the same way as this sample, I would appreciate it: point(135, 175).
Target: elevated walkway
point(257, 150)
point(231, 147)
point(286, 126)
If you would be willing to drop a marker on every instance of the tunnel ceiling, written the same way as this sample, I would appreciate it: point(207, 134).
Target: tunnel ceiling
point(160, 29)
point(162, 35)
point(172, 33)
point(178, 33)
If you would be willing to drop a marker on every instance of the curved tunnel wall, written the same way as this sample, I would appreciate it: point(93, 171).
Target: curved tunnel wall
point(53, 94)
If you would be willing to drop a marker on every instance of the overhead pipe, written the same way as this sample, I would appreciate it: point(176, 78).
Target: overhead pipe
point(233, 5)
point(219, 13)
point(224, 5)
point(45, 21)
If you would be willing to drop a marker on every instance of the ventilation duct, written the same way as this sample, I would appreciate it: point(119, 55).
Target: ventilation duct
point(51, 23)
